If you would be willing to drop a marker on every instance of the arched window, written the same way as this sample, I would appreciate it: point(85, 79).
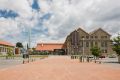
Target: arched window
point(87, 44)
point(91, 44)
point(96, 44)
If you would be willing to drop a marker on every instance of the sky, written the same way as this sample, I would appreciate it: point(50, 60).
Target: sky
point(53, 20)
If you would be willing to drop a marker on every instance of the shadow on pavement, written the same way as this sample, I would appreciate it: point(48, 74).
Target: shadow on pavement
point(112, 62)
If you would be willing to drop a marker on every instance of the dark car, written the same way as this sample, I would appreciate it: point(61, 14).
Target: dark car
point(102, 56)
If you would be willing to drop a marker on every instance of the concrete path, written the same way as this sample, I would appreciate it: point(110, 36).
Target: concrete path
point(60, 68)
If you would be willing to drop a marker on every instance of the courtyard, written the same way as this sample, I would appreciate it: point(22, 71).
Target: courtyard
point(62, 68)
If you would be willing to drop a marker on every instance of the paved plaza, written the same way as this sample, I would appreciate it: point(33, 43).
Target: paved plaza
point(60, 68)
point(5, 63)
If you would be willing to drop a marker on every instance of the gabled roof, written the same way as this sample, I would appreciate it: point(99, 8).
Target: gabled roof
point(98, 30)
point(6, 43)
point(82, 30)
point(49, 46)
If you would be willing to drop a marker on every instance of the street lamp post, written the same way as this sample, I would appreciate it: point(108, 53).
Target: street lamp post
point(29, 42)
point(83, 49)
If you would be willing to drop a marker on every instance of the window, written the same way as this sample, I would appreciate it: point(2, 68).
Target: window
point(91, 36)
point(0, 50)
point(96, 36)
point(82, 36)
point(87, 37)
point(102, 44)
point(102, 50)
point(87, 44)
point(96, 43)
point(91, 44)
point(5, 49)
point(106, 51)
point(102, 37)
point(81, 44)
point(105, 44)
point(105, 36)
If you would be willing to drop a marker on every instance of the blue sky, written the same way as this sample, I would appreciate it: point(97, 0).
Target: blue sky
point(53, 20)
point(8, 14)
point(35, 5)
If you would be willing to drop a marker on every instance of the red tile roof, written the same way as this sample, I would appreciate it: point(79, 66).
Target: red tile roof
point(6, 43)
point(49, 46)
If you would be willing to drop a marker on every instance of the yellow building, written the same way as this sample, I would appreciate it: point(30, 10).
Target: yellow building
point(6, 47)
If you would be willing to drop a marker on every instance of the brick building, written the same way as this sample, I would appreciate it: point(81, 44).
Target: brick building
point(79, 42)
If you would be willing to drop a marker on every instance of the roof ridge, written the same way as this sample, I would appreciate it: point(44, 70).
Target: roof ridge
point(82, 30)
point(97, 30)
point(50, 43)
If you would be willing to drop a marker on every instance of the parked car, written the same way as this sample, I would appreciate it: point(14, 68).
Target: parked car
point(102, 56)
point(91, 56)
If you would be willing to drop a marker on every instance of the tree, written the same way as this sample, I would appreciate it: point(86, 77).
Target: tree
point(10, 53)
point(33, 49)
point(116, 46)
point(19, 45)
point(96, 52)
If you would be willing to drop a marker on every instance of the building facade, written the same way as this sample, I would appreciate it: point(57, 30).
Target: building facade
point(52, 48)
point(6, 47)
point(80, 42)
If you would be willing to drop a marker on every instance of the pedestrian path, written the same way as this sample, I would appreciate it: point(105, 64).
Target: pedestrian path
point(60, 68)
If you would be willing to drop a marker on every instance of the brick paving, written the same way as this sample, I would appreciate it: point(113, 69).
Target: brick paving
point(60, 68)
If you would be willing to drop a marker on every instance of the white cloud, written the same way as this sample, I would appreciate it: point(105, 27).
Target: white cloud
point(67, 15)
point(20, 6)
point(87, 13)
point(44, 6)
point(7, 26)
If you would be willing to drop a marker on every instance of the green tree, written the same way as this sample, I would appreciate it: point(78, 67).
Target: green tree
point(19, 45)
point(10, 53)
point(33, 49)
point(116, 46)
point(95, 52)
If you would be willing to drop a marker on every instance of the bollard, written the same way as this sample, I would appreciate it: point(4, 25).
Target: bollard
point(23, 61)
point(80, 58)
point(87, 59)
